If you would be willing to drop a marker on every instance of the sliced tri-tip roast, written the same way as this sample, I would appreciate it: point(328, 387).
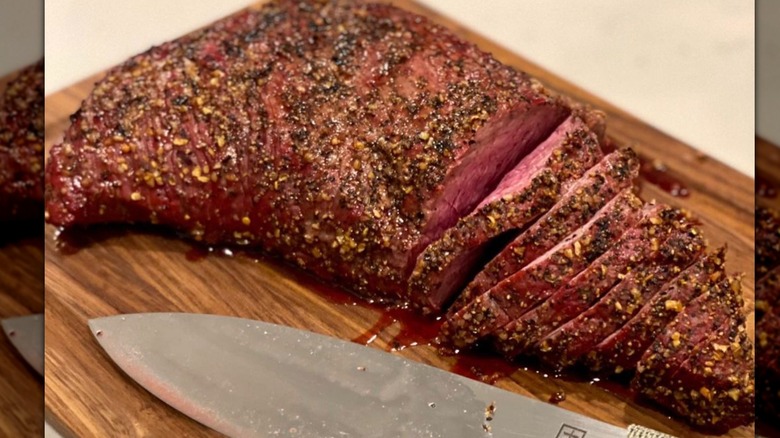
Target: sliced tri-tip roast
point(21, 145)
point(622, 349)
point(702, 365)
point(378, 151)
point(615, 172)
point(524, 194)
point(665, 235)
point(533, 284)
point(569, 343)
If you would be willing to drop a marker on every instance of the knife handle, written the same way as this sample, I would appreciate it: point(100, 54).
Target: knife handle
point(637, 431)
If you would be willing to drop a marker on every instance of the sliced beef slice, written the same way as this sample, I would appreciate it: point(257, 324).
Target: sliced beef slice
point(571, 139)
point(675, 343)
point(767, 241)
point(516, 294)
point(714, 385)
point(719, 381)
point(343, 136)
point(584, 198)
point(664, 232)
point(622, 349)
point(526, 192)
point(566, 345)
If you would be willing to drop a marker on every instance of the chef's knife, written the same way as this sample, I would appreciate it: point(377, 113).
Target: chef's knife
point(26, 335)
point(247, 378)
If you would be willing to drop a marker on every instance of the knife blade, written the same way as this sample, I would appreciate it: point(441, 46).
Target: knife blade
point(26, 335)
point(247, 378)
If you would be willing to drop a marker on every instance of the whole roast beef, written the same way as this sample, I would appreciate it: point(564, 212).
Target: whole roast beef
point(380, 152)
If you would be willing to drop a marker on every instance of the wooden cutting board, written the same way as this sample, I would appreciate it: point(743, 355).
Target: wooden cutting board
point(21, 293)
point(110, 270)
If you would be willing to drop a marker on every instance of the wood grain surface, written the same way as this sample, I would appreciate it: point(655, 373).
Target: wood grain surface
point(114, 269)
point(21, 293)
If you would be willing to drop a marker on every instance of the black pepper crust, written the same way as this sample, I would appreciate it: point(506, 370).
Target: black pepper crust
point(323, 132)
point(599, 185)
point(516, 209)
point(566, 346)
point(665, 233)
point(516, 294)
point(21, 145)
point(622, 349)
point(475, 230)
point(675, 343)
point(702, 365)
